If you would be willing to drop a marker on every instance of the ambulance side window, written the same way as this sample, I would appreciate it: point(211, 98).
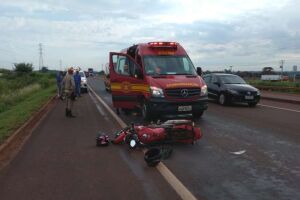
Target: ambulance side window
point(124, 66)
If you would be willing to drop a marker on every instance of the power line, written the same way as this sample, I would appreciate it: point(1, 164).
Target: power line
point(41, 64)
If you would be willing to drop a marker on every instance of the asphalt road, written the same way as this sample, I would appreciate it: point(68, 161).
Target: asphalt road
point(61, 161)
point(270, 167)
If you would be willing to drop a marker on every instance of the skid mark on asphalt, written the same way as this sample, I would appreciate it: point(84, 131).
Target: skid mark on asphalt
point(174, 182)
point(279, 108)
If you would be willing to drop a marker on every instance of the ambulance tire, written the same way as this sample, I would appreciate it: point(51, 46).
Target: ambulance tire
point(198, 115)
point(146, 111)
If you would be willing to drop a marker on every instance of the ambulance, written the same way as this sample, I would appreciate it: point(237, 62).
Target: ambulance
point(159, 78)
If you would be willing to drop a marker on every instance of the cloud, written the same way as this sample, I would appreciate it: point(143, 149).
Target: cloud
point(215, 33)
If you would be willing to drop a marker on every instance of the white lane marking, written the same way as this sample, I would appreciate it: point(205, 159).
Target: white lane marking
point(119, 120)
point(286, 109)
point(98, 107)
point(101, 111)
point(175, 183)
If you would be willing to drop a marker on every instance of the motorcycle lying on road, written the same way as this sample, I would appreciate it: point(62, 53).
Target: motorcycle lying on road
point(169, 132)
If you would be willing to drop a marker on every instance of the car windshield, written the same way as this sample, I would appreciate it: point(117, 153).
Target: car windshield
point(81, 74)
point(166, 65)
point(231, 79)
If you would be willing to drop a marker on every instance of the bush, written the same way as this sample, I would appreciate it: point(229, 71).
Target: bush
point(23, 67)
point(1, 87)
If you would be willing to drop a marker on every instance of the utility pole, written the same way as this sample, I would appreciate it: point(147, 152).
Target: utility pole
point(41, 64)
point(295, 71)
point(281, 66)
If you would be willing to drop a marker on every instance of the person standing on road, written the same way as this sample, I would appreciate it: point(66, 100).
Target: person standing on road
point(77, 79)
point(69, 89)
point(59, 79)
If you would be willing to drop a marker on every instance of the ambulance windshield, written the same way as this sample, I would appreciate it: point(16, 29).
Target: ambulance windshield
point(168, 65)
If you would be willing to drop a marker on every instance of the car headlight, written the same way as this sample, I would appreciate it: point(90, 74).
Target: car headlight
point(156, 92)
point(258, 92)
point(231, 91)
point(204, 90)
point(83, 81)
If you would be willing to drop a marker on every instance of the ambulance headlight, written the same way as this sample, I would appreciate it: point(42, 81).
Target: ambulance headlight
point(204, 90)
point(156, 92)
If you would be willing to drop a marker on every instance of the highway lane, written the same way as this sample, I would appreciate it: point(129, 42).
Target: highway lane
point(61, 161)
point(269, 169)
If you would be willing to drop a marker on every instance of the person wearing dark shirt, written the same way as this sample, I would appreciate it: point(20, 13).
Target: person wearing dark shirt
point(77, 79)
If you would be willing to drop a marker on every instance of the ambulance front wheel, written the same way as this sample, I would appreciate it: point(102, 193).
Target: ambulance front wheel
point(146, 111)
point(197, 115)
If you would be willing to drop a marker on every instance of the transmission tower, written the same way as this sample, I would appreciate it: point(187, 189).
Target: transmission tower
point(41, 56)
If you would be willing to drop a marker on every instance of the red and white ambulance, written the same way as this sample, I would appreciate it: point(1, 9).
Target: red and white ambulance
point(159, 78)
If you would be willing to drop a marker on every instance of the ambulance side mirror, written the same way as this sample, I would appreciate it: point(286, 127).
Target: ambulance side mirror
point(138, 73)
point(199, 71)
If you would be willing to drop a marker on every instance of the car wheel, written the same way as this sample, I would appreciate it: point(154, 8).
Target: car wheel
point(146, 111)
point(198, 115)
point(222, 99)
point(252, 104)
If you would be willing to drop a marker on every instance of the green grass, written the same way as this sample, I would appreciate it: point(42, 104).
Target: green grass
point(280, 86)
point(10, 99)
point(274, 83)
point(18, 114)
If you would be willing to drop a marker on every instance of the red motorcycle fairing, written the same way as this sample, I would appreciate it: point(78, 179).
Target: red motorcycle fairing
point(148, 135)
point(120, 138)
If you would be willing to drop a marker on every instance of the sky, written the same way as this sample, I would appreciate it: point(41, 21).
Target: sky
point(248, 34)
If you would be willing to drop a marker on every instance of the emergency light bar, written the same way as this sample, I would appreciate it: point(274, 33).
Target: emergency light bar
point(163, 44)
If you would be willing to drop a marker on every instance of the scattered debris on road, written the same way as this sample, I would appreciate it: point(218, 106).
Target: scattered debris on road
point(238, 152)
point(102, 140)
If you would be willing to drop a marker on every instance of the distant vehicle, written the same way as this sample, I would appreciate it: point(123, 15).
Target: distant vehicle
point(271, 77)
point(159, 78)
point(83, 85)
point(228, 88)
point(91, 71)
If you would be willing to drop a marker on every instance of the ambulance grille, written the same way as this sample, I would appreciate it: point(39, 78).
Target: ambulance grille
point(183, 92)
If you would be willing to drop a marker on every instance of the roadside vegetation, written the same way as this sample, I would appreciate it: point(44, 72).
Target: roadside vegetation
point(22, 92)
point(280, 86)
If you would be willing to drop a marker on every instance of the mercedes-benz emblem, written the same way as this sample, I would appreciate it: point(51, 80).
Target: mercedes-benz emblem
point(184, 92)
point(248, 93)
